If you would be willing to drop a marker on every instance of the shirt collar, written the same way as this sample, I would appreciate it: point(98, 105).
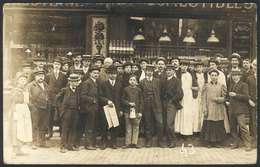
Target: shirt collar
point(149, 78)
point(235, 68)
point(111, 81)
point(168, 78)
point(73, 89)
point(93, 79)
point(214, 83)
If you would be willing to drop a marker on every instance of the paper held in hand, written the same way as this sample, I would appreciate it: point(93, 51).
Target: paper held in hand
point(111, 116)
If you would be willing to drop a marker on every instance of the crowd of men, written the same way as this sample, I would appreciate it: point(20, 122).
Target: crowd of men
point(73, 94)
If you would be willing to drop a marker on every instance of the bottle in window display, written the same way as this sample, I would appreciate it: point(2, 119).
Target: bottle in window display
point(127, 47)
point(117, 46)
point(131, 48)
point(124, 47)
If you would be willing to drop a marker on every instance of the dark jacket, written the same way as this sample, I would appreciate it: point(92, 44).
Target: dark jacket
point(131, 95)
point(161, 76)
point(172, 90)
point(252, 88)
point(239, 103)
point(125, 79)
point(157, 89)
point(85, 76)
point(61, 99)
point(178, 73)
point(246, 74)
point(31, 76)
point(107, 92)
point(89, 95)
point(194, 84)
point(55, 85)
point(38, 97)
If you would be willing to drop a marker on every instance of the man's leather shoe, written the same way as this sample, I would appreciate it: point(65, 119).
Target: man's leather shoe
point(126, 146)
point(91, 148)
point(73, 149)
point(136, 146)
point(114, 146)
point(44, 146)
point(247, 149)
point(63, 150)
point(161, 145)
point(172, 145)
point(234, 146)
point(149, 145)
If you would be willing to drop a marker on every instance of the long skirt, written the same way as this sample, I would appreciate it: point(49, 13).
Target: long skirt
point(213, 131)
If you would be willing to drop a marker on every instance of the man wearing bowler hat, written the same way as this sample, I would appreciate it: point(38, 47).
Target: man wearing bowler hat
point(39, 106)
point(238, 97)
point(89, 101)
point(55, 80)
point(172, 95)
point(39, 62)
point(151, 89)
point(110, 94)
point(68, 102)
point(161, 72)
point(86, 61)
point(76, 57)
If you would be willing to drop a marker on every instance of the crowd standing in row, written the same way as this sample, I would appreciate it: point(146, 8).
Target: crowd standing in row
point(183, 98)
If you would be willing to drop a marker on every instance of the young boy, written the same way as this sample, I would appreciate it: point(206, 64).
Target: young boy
point(68, 99)
point(132, 101)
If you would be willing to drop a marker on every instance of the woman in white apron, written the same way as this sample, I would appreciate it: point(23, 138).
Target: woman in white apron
point(19, 122)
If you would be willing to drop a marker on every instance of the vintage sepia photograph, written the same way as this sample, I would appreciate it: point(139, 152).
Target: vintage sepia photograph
point(130, 83)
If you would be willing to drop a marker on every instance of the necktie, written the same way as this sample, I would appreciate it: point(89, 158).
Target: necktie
point(56, 74)
point(113, 83)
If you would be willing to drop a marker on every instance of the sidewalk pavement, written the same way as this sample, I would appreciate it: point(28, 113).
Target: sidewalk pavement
point(154, 155)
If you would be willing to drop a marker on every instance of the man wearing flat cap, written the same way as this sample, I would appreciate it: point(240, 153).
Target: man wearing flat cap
point(172, 95)
point(234, 61)
point(151, 90)
point(39, 62)
point(39, 105)
point(56, 81)
point(110, 94)
point(76, 58)
point(68, 101)
point(89, 99)
point(252, 87)
point(238, 97)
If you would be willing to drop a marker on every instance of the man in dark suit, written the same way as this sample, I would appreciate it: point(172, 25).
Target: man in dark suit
point(89, 103)
point(238, 98)
point(39, 62)
point(252, 87)
point(86, 61)
point(176, 63)
point(68, 102)
point(172, 95)
point(55, 80)
point(110, 94)
point(161, 72)
point(76, 57)
point(151, 89)
point(39, 106)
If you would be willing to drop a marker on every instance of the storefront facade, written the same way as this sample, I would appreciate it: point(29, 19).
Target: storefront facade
point(127, 31)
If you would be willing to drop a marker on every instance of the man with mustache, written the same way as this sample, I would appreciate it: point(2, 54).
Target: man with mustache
point(39, 105)
point(76, 57)
point(39, 62)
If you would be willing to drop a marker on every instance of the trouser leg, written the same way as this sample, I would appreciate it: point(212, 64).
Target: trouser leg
point(35, 122)
point(51, 118)
point(73, 128)
point(42, 124)
point(114, 133)
point(233, 128)
point(65, 123)
point(90, 128)
point(80, 127)
point(252, 123)
point(148, 122)
point(244, 131)
point(128, 129)
point(171, 113)
point(159, 126)
point(135, 128)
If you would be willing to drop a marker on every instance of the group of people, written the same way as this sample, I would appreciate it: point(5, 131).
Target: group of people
point(179, 99)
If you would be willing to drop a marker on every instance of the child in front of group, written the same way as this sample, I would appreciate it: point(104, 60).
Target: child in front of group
point(132, 102)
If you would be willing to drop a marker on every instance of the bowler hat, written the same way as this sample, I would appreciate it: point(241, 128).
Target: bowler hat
point(213, 70)
point(39, 72)
point(94, 67)
point(112, 69)
point(76, 54)
point(74, 77)
point(254, 63)
point(127, 63)
point(21, 74)
point(98, 58)
point(78, 71)
point(58, 59)
point(236, 72)
point(214, 61)
point(150, 67)
point(170, 66)
point(39, 58)
point(86, 57)
point(161, 59)
point(224, 60)
point(143, 59)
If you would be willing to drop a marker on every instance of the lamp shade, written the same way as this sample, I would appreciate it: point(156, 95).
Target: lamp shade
point(189, 38)
point(212, 37)
point(164, 37)
point(139, 36)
